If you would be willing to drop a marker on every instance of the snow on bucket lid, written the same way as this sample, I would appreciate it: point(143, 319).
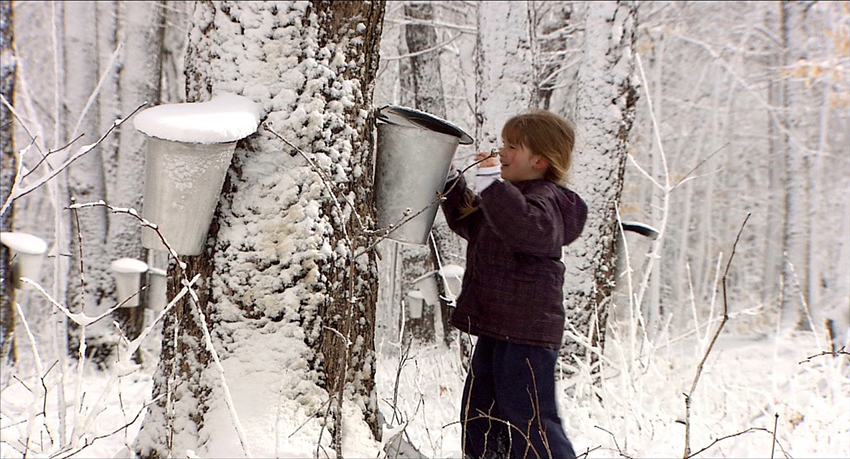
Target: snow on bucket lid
point(23, 243)
point(225, 118)
point(129, 266)
point(404, 116)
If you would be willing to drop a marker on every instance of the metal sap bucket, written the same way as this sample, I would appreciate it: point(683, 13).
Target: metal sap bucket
point(182, 186)
point(415, 152)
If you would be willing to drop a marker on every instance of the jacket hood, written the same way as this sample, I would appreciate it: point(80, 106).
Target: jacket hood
point(573, 212)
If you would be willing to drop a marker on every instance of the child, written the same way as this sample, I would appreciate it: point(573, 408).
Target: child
point(512, 294)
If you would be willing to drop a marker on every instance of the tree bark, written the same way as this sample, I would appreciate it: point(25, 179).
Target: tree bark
point(90, 281)
point(606, 103)
point(427, 90)
point(142, 31)
point(290, 285)
point(503, 88)
point(795, 273)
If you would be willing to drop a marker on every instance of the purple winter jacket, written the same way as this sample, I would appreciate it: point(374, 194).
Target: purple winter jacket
point(513, 282)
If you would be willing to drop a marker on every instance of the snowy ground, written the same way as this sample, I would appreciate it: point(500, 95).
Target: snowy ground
point(746, 382)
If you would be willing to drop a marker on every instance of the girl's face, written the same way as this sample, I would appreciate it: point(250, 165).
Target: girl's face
point(519, 164)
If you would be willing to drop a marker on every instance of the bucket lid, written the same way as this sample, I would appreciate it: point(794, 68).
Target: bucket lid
point(404, 116)
point(23, 243)
point(129, 266)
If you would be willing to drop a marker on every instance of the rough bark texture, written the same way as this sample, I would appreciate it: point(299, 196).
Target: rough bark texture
point(606, 103)
point(275, 280)
point(8, 165)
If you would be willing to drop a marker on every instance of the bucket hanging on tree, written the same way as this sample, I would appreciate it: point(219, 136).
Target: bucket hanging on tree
point(415, 152)
point(28, 255)
point(189, 148)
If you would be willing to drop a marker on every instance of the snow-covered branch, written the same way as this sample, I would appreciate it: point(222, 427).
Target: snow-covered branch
point(18, 192)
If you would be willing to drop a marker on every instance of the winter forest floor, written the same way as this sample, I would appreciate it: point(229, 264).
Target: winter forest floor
point(749, 384)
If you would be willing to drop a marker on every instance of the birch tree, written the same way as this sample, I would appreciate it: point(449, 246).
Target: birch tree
point(605, 104)
point(284, 267)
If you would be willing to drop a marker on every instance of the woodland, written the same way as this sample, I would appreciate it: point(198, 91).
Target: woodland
point(708, 298)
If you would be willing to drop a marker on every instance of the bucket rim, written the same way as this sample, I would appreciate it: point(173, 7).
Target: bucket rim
point(405, 116)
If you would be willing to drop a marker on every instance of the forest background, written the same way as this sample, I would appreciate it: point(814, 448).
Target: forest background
point(740, 114)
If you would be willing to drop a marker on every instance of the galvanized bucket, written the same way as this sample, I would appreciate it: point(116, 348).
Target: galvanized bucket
point(182, 185)
point(415, 152)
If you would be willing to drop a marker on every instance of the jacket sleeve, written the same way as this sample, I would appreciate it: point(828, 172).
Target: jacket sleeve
point(530, 223)
point(459, 201)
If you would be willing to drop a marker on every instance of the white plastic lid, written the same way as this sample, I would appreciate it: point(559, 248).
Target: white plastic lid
point(23, 243)
point(129, 265)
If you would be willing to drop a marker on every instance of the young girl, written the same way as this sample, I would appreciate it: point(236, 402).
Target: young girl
point(512, 294)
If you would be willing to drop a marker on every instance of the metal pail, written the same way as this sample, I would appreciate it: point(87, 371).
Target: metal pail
point(415, 152)
point(182, 185)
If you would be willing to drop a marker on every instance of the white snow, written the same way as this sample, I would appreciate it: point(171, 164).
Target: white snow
point(129, 265)
point(747, 381)
point(23, 243)
point(225, 118)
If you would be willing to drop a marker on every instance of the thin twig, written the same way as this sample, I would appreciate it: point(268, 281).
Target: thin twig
point(836, 353)
point(616, 445)
point(14, 195)
point(773, 443)
point(325, 180)
point(698, 166)
point(701, 364)
point(726, 437)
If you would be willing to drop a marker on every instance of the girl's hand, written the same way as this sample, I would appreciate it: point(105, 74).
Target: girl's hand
point(490, 160)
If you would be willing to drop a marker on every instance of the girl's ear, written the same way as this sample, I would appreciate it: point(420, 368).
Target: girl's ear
point(541, 162)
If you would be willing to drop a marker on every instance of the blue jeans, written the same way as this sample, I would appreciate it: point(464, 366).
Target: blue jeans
point(508, 407)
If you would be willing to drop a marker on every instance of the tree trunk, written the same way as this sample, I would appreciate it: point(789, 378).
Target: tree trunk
point(427, 90)
point(142, 30)
point(796, 239)
point(279, 275)
point(606, 102)
point(503, 88)
point(8, 168)
point(89, 278)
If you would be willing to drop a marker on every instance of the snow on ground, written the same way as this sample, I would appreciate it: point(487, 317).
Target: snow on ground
point(638, 409)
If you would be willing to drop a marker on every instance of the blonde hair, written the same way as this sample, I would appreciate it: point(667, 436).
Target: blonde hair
point(546, 134)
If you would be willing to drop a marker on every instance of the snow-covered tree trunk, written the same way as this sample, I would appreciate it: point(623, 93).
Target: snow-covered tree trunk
point(8, 166)
point(141, 33)
point(505, 77)
point(606, 98)
point(289, 309)
point(89, 278)
point(427, 94)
